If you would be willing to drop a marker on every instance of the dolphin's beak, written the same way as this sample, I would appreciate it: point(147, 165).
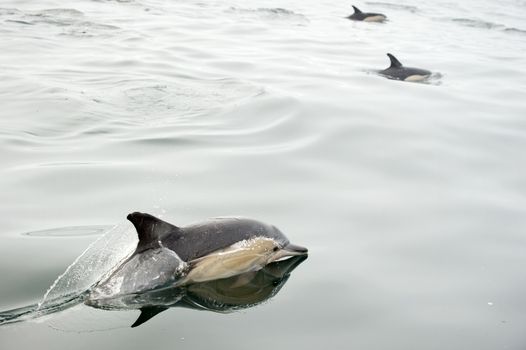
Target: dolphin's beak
point(296, 249)
point(288, 251)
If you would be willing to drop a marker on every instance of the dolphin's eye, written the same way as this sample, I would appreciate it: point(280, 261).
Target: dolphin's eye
point(275, 249)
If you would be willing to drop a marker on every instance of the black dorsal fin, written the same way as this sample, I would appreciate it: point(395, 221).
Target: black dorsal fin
point(150, 229)
point(394, 62)
point(356, 9)
point(147, 313)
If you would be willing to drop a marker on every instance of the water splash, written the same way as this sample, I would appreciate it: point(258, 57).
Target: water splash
point(97, 261)
point(151, 269)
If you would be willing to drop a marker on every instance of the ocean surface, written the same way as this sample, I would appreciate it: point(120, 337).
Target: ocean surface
point(411, 197)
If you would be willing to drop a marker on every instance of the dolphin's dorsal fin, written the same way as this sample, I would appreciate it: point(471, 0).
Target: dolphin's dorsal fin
point(147, 313)
point(150, 229)
point(356, 9)
point(394, 62)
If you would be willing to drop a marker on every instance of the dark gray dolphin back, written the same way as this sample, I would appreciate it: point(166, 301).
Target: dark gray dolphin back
point(357, 15)
point(203, 238)
point(194, 241)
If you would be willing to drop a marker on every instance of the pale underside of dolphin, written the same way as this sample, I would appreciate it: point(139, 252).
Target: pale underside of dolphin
point(399, 72)
point(213, 249)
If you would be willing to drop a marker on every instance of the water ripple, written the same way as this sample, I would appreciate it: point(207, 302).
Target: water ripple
point(70, 231)
point(270, 14)
point(395, 6)
point(483, 24)
point(70, 21)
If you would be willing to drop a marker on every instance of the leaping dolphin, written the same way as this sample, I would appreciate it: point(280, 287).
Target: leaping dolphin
point(231, 263)
point(213, 249)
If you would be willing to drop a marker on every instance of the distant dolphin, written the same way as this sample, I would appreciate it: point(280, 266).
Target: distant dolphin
point(397, 71)
point(366, 16)
point(216, 248)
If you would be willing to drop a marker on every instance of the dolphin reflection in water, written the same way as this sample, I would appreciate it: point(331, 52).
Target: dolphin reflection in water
point(222, 295)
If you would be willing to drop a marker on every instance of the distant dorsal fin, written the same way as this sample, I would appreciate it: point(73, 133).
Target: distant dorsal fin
point(394, 62)
point(356, 9)
point(150, 229)
point(147, 313)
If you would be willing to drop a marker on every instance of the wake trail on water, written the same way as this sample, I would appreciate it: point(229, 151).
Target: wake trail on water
point(98, 260)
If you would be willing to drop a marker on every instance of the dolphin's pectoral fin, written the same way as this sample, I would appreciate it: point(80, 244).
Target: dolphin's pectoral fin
point(395, 63)
point(147, 313)
point(150, 229)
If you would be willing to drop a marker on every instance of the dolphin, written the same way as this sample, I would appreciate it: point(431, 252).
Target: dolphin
point(397, 71)
point(212, 249)
point(366, 16)
point(221, 295)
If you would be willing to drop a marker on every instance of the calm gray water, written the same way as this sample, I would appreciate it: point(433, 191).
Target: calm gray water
point(410, 197)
